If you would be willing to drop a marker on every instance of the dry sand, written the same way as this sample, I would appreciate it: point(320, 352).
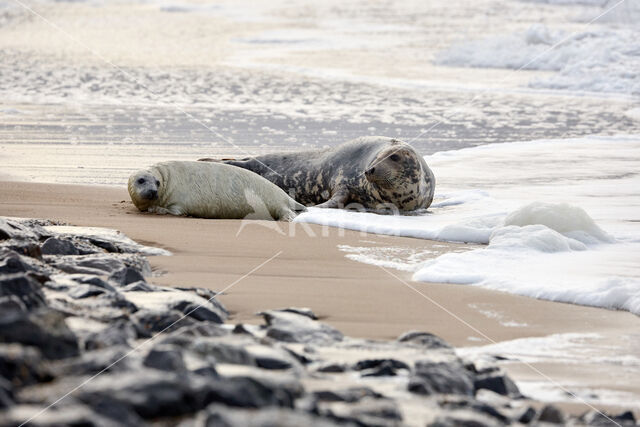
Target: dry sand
point(310, 271)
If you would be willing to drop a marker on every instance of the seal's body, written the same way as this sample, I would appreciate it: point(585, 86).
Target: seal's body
point(374, 172)
point(209, 190)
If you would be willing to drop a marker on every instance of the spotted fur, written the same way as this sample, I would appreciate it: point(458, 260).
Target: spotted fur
point(374, 172)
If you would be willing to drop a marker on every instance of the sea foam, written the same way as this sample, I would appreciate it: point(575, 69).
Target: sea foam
point(560, 220)
point(596, 59)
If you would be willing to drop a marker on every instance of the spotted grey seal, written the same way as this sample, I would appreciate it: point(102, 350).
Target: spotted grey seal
point(375, 172)
point(209, 190)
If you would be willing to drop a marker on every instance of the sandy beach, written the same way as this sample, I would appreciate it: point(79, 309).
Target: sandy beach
point(362, 300)
point(310, 271)
point(527, 112)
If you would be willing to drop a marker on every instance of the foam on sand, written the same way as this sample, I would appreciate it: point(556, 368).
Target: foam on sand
point(576, 352)
point(560, 220)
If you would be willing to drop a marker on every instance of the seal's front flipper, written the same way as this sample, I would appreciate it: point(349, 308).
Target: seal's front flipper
point(337, 201)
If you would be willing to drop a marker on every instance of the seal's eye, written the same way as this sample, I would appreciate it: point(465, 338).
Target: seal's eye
point(157, 183)
point(140, 180)
point(394, 157)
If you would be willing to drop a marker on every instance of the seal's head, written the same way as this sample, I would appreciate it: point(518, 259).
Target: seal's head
point(401, 176)
point(144, 189)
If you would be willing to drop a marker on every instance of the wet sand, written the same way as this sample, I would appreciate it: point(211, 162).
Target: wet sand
point(308, 270)
point(361, 300)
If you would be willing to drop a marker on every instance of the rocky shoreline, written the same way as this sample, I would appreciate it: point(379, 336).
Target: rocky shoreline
point(82, 330)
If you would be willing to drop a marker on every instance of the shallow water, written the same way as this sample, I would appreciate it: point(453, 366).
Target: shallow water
point(561, 219)
point(116, 85)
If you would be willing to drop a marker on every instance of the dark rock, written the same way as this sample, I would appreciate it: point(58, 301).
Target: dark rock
point(21, 230)
point(206, 371)
point(241, 329)
point(104, 244)
point(268, 357)
point(626, 416)
point(6, 230)
point(386, 369)
point(84, 247)
point(23, 247)
point(119, 333)
point(471, 404)
point(353, 394)
point(6, 394)
point(111, 359)
point(25, 288)
point(88, 279)
point(332, 367)
point(199, 329)
point(250, 392)
point(598, 418)
point(497, 382)
point(126, 275)
point(293, 327)
point(224, 352)
point(71, 414)
point(57, 246)
point(11, 303)
point(85, 291)
point(41, 328)
point(551, 414)
point(423, 340)
point(103, 308)
point(165, 358)
point(203, 311)
point(11, 262)
point(148, 392)
point(439, 377)
point(152, 393)
point(367, 412)
point(266, 362)
point(205, 293)
point(140, 286)
point(527, 415)
point(116, 300)
point(122, 414)
point(96, 264)
point(463, 419)
point(23, 365)
point(148, 322)
point(223, 416)
point(303, 311)
point(301, 358)
point(375, 363)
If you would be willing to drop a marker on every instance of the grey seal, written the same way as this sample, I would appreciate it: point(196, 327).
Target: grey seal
point(375, 172)
point(209, 190)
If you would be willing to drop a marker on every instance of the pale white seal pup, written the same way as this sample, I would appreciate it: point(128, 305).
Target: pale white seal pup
point(209, 190)
point(375, 172)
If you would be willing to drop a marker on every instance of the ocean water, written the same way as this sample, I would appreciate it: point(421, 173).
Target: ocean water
point(560, 220)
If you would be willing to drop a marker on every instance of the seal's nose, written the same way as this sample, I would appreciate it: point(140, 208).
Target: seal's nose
point(150, 195)
point(370, 171)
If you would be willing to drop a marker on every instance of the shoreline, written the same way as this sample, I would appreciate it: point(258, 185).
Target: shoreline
point(309, 258)
point(359, 299)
